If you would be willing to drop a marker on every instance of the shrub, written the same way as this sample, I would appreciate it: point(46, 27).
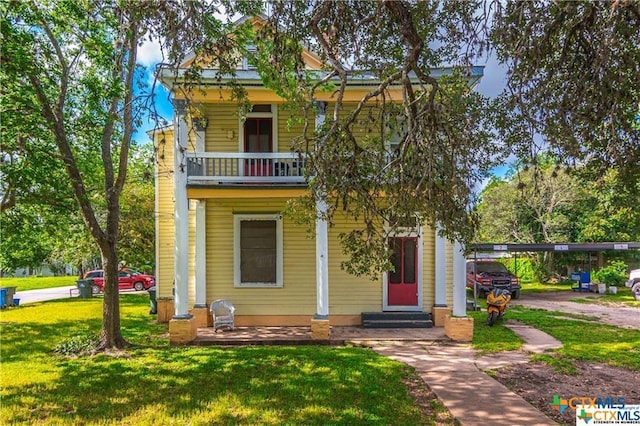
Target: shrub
point(78, 345)
point(525, 270)
point(615, 273)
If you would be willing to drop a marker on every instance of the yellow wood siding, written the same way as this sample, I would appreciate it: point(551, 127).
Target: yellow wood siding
point(428, 268)
point(288, 130)
point(222, 134)
point(297, 296)
point(349, 294)
point(164, 214)
point(449, 259)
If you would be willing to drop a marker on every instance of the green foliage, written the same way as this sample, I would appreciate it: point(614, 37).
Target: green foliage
point(521, 267)
point(563, 92)
point(78, 345)
point(615, 273)
point(608, 209)
point(535, 205)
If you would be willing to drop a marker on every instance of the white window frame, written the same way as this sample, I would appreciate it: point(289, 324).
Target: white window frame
point(237, 219)
point(273, 115)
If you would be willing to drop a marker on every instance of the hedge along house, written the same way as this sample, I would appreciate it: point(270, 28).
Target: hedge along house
point(222, 185)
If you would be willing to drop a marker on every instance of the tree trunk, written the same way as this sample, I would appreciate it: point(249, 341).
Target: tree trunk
point(111, 336)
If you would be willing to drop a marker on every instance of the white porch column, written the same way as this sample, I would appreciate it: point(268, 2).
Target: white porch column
point(322, 241)
point(441, 271)
point(322, 262)
point(459, 282)
point(440, 309)
point(181, 212)
point(200, 126)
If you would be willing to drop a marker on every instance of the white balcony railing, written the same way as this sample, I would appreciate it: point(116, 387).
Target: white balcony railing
point(220, 168)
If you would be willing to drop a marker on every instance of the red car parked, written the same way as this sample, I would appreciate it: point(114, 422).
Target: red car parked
point(489, 274)
point(127, 280)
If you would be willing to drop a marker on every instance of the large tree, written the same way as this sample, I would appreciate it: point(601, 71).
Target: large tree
point(573, 82)
point(74, 76)
point(573, 69)
point(439, 129)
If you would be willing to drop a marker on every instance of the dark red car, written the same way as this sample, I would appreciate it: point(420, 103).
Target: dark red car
point(487, 274)
point(127, 280)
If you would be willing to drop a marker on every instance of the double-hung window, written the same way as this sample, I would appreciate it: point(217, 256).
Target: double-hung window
point(258, 250)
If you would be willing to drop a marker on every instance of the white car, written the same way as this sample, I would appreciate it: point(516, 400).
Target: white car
point(634, 281)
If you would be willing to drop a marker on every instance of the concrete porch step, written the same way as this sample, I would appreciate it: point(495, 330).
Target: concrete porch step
point(396, 320)
point(397, 324)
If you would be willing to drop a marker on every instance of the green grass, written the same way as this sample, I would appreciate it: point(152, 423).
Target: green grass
point(582, 337)
point(36, 283)
point(153, 383)
point(497, 338)
point(560, 364)
point(538, 287)
point(585, 341)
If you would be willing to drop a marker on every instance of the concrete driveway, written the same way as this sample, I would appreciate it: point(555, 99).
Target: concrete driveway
point(617, 315)
point(30, 296)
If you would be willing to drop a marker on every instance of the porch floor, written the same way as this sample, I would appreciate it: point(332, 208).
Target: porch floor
point(302, 335)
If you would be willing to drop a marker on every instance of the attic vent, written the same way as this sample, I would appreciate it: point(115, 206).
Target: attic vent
point(246, 61)
point(261, 108)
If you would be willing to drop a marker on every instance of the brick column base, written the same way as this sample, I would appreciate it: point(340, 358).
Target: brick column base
point(458, 328)
point(438, 313)
point(182, 331)
point(165, 309)
point(201, 317)
point(320, 329)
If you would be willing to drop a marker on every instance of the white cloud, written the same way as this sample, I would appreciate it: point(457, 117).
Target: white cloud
point(149, 53)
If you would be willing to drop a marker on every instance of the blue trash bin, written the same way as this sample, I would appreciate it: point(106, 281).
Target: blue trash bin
point(3, 295)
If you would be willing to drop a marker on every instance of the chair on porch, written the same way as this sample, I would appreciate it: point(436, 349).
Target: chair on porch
point(223, 314)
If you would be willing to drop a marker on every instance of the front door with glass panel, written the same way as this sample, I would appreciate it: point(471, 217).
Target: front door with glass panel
point(258, 139)
point(402, 282)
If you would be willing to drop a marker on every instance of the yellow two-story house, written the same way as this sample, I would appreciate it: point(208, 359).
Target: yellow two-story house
point(222, 184)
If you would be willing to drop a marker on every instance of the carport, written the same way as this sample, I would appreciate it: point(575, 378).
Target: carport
point(553, 247)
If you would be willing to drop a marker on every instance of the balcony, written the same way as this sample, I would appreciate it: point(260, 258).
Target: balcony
point(245, 169)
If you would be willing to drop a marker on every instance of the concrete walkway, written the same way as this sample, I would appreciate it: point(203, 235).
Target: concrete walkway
point(454, 374)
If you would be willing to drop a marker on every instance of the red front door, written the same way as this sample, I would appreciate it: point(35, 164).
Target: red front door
point(402, 283)
point(257, 138)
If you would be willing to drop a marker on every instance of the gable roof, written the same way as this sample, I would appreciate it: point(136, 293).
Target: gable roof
point(310, 58)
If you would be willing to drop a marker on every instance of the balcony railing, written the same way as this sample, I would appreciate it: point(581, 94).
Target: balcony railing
point(238, 168)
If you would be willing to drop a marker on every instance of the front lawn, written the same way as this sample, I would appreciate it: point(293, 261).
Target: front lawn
point(157, 384)
point(538, 287)
point(582, 337)
point(36, 283)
